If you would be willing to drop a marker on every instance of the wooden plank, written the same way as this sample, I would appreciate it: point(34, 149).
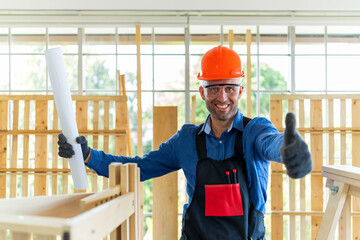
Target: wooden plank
point(133, 187)
point(248, 72)
point(40, 183)
point(124, 184)
point(95, 140)
point(138, 93)
point(331, 148)
point(345, 220)
point(115, 179)
point(231, 38)
point(120, 123)
point(355, 119)
point(332, 212)
point(98, 222)
point(60, 206)
point(3, 145)
point(32, 224)
point(292, 191)
point(44, 237)
point(106, 132)
point(302, 181)
point(99, 198)
point(19, 235)
point(81, 115)
point(276, 181)
point(74, 97)
point(165, 194)
point(193, 109)
point(106, 137)
point(123, 93)
point(55, 158)
point(342, 133)
point(140, 207)
point(343, 173)
point(313, 96)
point(14, 148)
point(25, 179)
point(82, 121)
point(317, 156)
point(3, 234)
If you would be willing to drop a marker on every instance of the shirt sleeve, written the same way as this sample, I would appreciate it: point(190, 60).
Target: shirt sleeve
point(265, 139)
point(154, 164)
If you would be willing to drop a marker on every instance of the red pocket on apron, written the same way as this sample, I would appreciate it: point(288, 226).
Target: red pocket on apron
point(223, 200)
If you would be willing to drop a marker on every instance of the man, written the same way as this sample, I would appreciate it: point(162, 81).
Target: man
point(225, 160)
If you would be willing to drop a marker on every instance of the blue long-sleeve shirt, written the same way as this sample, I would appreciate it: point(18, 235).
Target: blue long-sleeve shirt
point(261, 144)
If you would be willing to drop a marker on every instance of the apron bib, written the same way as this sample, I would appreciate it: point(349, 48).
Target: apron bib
point(221, 208)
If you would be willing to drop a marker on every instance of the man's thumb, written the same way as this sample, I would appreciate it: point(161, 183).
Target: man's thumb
point(290, 128)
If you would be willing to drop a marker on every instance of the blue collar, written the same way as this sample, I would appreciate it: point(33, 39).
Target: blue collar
point(237, 124)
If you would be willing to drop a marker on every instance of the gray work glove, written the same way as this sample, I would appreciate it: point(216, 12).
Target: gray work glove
point(67, 151)
point(294, 151)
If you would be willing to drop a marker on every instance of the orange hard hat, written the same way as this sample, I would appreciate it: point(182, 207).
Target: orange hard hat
point(220, 63)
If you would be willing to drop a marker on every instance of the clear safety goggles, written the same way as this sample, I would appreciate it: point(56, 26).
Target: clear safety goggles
point(215, 90)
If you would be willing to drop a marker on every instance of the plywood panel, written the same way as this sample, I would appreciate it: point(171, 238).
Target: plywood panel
point(165, 192)
point(41, 146)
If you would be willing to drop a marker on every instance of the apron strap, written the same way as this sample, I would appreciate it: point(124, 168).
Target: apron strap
point(239, 139)
point(200, 143)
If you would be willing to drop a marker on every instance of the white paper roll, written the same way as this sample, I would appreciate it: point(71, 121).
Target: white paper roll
point(61, 90)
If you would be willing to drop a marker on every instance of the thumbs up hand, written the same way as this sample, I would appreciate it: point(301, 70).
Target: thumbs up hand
point(294, 151)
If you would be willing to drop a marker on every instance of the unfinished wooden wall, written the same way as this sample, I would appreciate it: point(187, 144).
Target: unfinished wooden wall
point(29, 127)
point(331, 125)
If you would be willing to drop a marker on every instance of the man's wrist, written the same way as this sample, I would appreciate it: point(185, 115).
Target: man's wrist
point(88, 158)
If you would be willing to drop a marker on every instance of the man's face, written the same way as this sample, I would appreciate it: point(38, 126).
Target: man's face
point(221, 97)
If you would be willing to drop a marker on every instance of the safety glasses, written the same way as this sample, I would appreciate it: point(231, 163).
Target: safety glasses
point(215, 90)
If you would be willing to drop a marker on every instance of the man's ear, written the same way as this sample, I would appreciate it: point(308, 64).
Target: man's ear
point(241, 90)
point(201, 91)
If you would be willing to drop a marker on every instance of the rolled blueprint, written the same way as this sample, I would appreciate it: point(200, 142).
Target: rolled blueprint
point(64, 105)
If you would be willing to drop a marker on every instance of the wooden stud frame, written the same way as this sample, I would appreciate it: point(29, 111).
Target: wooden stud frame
point(321, 136)
point(77, 216)
point(22, 158)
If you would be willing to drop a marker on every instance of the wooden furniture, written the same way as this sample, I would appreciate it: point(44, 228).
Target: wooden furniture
point(330, 123)
point(343, 181)
point(78, 216)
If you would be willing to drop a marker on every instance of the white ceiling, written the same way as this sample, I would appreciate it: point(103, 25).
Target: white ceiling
point(184, 5)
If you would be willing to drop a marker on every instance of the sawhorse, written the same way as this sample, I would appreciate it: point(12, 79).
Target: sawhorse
point(343, 182)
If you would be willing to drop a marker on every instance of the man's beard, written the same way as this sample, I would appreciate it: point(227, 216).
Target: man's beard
point(222, 116)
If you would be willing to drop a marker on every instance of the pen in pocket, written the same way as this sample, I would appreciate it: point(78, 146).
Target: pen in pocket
point(234, 175)
point(228, 177)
